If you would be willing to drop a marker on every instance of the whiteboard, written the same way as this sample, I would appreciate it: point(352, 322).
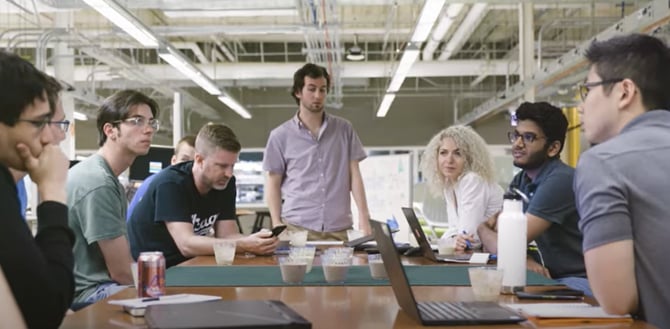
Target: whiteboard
point(388, 187)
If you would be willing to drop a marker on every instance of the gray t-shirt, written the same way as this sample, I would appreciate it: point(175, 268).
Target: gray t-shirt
point(622, 194)
point(97, 211)
point(552, 199)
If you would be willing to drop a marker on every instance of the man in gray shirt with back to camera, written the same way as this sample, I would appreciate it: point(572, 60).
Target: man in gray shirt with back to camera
point(621, 184)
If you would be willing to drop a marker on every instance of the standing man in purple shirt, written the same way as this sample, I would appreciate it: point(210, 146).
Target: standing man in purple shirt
point(312, 164)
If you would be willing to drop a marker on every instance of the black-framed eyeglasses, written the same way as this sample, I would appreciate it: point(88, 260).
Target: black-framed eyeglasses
point(585, 87)
point(141, 122)
point(527, 137)
point(63, 125)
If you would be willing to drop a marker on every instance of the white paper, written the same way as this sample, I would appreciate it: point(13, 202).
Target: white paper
point(479, 258)
point(564, 310)
point(168, 299)
point(324, 243)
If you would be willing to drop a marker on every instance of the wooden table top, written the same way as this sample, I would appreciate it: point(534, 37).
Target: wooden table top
point(325, 306)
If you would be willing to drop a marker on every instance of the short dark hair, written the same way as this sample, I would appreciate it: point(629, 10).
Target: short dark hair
point(188, 139)
point(308, 70)
point(53, 88)
point(549, 118)
point(641, 58)
point(216, 135)
point(117, 106)
point(22, 84)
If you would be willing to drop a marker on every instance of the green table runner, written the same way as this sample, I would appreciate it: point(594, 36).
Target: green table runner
point(267, 276)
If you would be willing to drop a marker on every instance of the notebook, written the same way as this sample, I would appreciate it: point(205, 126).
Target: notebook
point(426, 249)
point(225, 314)
point(435, 313)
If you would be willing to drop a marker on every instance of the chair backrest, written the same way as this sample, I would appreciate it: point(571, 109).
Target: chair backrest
point(9, 311)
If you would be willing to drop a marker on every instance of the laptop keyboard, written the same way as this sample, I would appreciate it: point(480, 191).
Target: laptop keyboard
point(446, 310)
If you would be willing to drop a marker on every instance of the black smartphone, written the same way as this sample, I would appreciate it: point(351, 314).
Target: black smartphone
point(558, 294)
point(277, 230)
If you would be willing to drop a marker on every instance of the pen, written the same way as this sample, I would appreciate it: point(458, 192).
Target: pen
point(150, 299)
point(468, 245)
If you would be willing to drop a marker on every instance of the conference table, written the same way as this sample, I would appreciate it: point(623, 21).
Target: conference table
point(327, 307)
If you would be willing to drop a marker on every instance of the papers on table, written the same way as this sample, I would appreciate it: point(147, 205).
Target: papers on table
point(325, 243)
point(555, 313)
point(136, 306)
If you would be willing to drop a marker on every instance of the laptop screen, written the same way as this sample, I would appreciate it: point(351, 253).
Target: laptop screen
point(417, 230)
point(394, 269)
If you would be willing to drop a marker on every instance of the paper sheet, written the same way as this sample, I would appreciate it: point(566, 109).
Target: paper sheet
point(168, 299)
point(564, 310)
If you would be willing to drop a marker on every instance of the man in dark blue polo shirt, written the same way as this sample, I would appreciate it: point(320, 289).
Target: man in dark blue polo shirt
point(537, 141)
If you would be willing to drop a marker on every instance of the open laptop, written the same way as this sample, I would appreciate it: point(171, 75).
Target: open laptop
point(426, 249)
point(435, 313)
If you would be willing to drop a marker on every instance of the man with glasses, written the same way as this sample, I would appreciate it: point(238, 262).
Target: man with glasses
point(537, 141)
point(39, 269)
point(59, 126)
point(126, 124)
point(621, 184)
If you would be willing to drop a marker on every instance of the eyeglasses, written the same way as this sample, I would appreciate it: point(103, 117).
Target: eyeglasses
point(63, 125)
point(527, 137)
point(141, 122)
point(585, 87)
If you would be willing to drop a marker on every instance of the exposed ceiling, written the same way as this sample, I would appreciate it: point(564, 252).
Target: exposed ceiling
point(251, 48)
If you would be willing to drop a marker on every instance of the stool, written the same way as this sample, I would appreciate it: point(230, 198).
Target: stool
point(260, 218)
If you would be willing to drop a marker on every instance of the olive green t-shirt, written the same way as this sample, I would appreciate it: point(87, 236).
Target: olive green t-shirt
point(97, 211)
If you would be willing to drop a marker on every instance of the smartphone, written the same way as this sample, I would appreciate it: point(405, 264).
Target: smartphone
point(277, 230)
point(558, 294)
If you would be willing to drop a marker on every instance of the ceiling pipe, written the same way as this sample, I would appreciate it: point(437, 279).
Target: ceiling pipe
point(464, 31)
point(446, 21)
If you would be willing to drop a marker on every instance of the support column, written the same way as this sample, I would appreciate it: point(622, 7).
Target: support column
point(177, 118)
point(63, 62)
point(571, 149)
point(526, 46)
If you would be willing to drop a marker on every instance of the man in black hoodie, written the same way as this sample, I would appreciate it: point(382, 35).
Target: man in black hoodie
point(39, 269)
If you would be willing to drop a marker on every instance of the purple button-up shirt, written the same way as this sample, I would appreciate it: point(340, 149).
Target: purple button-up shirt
point(316, 182)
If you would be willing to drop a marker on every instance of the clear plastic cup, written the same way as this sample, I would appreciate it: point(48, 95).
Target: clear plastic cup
point(304, 253)
point(486, 282)
point(224, 252)
point(335, 267)
point(377, 269)
point(292, 269)
point(298, 238)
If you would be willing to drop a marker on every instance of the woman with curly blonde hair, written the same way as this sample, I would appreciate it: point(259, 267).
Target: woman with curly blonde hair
point(457, 163)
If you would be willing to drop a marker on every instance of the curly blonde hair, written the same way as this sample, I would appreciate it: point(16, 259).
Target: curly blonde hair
point(472, 146)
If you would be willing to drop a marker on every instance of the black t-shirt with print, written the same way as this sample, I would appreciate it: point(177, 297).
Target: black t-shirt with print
point(172, 197)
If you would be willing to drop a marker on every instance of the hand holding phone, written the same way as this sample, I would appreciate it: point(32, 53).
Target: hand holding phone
point(277, 230)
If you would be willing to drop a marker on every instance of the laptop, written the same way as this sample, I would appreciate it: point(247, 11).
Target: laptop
point(426, 249)
point(435, 313)
point(225, 314)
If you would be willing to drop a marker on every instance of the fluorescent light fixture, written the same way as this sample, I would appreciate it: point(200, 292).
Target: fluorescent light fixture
point(409, 57)
point(231, 13)
point(118, 15)
point(385, 105)
point(80, 116)
point(429, 14)
point(183, 65)
point(235, 106)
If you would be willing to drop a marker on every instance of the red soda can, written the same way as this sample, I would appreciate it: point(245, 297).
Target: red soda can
point(150, 274)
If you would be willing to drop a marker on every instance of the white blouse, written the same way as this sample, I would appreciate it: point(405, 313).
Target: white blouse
point(470, 202)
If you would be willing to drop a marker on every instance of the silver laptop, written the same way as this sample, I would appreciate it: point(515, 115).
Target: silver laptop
point(426, 249)
point(434, 313)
